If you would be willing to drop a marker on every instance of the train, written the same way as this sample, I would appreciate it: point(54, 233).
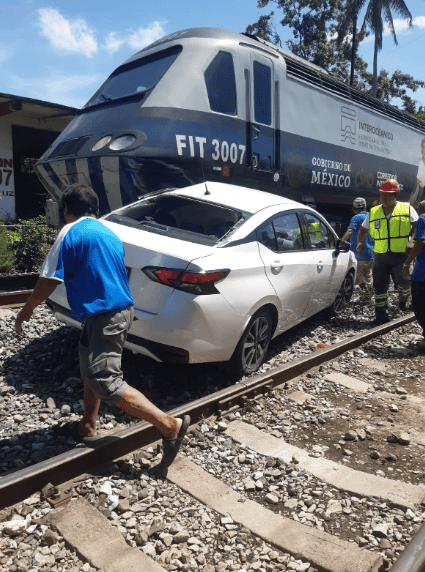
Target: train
point(212, 104)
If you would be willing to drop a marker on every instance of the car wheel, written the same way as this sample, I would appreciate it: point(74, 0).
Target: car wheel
point(252, 347)
point(343, 296)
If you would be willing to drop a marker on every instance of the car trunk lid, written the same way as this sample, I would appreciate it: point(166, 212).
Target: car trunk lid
point(143, 248)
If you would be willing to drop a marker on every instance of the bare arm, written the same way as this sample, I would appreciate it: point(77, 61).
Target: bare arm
point(347, 234)
point(412, 254)
point(415, 250)
point(360, 238)
point(410, 244)
point(42, 290)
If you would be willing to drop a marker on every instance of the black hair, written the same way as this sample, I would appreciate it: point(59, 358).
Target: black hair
point(81, 200)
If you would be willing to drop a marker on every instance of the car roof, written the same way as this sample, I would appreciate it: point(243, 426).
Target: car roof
point(234, 196)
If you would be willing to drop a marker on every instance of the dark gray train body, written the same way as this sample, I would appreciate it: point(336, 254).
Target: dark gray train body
point(210, 104)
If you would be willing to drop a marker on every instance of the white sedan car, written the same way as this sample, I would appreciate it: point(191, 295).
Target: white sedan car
point(216, 271)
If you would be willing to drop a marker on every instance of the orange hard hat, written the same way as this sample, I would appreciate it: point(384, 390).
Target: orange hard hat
point(390, 186)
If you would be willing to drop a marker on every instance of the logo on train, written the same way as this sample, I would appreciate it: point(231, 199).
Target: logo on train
point(348, 124)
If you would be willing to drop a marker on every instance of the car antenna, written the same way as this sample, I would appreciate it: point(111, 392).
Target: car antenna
point(207, 192)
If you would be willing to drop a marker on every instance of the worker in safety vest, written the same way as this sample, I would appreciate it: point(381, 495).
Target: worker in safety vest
point(313, 236)
point(390, 224)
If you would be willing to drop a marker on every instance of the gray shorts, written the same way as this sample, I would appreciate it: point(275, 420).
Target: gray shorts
point(101, 345)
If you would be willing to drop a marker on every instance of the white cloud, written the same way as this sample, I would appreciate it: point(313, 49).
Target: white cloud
point(401, 25)
point(74, 37)
point(58, 88)
point(136, 40)
point(419, 21)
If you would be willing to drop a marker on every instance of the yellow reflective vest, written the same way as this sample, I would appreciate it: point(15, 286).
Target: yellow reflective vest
point(313, 237)
point(390, 235)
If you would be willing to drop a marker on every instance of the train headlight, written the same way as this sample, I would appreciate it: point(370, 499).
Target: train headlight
point(101, 143)
point(122, 142)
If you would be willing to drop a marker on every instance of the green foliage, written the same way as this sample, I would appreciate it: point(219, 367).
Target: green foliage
point(7, 257)
point(25, 249)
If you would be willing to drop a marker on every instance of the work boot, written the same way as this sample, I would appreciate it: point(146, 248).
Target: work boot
point(381, 318)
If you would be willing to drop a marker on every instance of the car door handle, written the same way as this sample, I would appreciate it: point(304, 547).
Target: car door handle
point(276, 266)
point(255, 131)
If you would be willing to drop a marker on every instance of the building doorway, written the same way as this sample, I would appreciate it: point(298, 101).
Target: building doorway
point(28, 146)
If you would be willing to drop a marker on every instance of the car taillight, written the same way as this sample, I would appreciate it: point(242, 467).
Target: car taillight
point(192, 282)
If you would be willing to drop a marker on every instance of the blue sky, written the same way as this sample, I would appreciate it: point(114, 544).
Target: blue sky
point(62, 51)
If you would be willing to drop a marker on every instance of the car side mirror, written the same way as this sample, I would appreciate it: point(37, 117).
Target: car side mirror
point(342, 246)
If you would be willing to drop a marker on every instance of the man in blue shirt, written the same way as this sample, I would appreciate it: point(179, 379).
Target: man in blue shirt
point(418, 275)
point(89, 258)
point(365, 258)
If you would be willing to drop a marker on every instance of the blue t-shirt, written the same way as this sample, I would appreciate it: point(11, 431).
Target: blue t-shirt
point(418, 274)
point(355, 225)
point(89, 258)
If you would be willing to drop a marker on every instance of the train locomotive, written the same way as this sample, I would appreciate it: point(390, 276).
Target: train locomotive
point(211, 104)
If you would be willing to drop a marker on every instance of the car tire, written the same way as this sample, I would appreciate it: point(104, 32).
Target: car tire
point(343, 297)
point(253, 345)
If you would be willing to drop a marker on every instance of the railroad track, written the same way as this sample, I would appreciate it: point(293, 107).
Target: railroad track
point(323, 550)
point(16, 289)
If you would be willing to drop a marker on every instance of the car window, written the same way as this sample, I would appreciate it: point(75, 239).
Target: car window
point(221, 84)
point(267, 236)
point(316, 235)
point(184, 217)
point(288, 232)
point(282, 234)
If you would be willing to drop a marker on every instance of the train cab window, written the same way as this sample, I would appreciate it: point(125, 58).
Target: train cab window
point(137, 77)
point(316, 235)
point(262, 93)
point(221, 84)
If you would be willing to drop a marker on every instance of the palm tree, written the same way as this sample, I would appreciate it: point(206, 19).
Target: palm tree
point(378, 13)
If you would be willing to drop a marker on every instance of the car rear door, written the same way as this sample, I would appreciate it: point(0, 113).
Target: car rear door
point(330, 266)
point(289, 267)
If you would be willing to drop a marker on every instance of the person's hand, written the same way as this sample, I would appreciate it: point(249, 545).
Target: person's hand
point(360, 248)
point(23, 316)
point(409, 246)
point(406, 272)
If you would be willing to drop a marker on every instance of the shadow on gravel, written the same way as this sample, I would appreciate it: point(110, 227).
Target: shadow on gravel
point(43, 371)
point(41, 385)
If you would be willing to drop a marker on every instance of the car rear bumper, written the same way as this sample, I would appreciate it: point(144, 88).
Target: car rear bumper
point(188, 330)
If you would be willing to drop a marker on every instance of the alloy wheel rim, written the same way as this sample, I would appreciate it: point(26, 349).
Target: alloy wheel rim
point(343, 295)
point(256, 343)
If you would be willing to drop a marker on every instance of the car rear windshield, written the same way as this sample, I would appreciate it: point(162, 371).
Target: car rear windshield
point(138, 77)
point(184, 218)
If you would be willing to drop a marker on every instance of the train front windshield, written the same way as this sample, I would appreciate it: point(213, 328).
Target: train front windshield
point(138, 77)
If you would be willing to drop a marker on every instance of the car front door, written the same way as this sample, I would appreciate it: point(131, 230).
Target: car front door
point(289, 268)
point(330, 266)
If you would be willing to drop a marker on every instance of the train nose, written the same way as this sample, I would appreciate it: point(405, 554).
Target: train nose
point(97, 161)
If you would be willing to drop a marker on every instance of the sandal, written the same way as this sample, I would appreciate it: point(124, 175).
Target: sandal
point(172, 446)
point(71, 430)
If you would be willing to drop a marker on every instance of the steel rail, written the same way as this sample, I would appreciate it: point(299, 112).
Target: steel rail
point(21, 484)
point(412, 559)
point(18, 298)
